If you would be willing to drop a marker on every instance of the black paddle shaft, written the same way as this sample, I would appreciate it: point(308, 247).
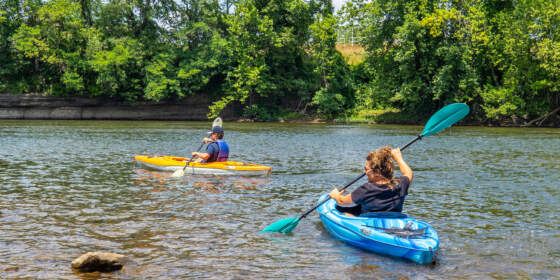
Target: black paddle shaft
point(419, 137)
point(321, 203)
point(187, 165)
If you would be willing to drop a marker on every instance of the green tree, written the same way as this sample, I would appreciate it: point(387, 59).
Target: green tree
point(54, 42)
point(499, 56)
point(13, 71)
point(336, 93)
point(415, 58)
point(265, 62)
point(512, 43)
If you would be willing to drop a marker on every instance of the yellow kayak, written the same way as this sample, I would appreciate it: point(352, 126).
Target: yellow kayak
point(171, 163)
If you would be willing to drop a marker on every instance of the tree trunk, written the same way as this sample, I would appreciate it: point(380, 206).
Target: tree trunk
point(541, 119)
point(86, 11)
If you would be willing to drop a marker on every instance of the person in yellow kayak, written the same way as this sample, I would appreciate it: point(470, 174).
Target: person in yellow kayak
point(382, 192)
point(217, 150)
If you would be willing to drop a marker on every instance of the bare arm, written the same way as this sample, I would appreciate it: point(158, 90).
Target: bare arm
point(405, 169)
point(341, 199)
point(203, 156)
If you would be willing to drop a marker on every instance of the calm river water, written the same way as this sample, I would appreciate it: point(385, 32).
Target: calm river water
point(69, 187)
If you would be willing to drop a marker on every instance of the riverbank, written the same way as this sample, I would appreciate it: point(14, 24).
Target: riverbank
point(195, 108)
point(395, 116)
point(47, 107)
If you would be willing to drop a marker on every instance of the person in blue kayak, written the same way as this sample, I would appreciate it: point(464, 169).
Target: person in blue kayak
point(382, 192)
point(217, 150)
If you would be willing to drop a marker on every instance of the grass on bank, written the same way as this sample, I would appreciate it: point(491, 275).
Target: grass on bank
point(388, 115)
point(354, 54)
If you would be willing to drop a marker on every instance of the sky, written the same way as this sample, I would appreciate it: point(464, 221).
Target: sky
point(338, 3)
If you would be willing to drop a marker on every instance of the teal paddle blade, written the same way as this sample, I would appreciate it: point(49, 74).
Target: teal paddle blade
point(283, 226)
point(445, 118)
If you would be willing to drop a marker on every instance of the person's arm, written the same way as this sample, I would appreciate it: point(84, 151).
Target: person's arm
point(203, 156)
point(341, 199)
point(405, 169)
point(206, 155)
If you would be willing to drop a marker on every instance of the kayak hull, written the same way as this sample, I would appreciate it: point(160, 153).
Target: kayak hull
point(224, 168)
point(373, 234)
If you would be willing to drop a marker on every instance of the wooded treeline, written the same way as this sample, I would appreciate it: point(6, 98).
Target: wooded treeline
point(278, 59)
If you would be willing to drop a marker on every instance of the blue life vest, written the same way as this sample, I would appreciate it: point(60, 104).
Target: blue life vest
point(224, 150)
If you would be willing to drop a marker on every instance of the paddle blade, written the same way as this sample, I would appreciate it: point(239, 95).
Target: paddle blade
point(178, 173)
point(217, 122)
point(283, 226)
point(445, 118)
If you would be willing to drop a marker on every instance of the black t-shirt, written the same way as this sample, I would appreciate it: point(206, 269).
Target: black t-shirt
point(375, 198)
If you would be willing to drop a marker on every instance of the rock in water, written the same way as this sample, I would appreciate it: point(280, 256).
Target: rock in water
point(98, 261)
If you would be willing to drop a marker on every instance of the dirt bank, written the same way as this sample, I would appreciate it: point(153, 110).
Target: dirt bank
point(31, 106)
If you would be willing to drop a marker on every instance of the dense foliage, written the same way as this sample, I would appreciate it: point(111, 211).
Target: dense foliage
point(263, 54)
point(273, 58)
point(499, 56)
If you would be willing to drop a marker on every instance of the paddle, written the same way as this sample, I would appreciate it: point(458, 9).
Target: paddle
point(181, 172)
point(441, 120)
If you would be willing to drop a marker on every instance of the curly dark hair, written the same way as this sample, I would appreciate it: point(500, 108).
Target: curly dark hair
point(381, 161)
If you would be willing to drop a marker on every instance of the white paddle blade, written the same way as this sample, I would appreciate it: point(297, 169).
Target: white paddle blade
point(178, 173)
point(217, 122)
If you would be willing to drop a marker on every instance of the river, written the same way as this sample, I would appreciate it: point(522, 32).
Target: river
point(69, 187)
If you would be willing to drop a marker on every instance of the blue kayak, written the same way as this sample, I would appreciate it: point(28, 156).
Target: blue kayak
point(393, 234)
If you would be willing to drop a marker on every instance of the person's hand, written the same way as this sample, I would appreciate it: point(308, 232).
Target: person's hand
point(335, 193)
point(367, 168)
point(396, 153)
point(206, 140)
point(194, 154)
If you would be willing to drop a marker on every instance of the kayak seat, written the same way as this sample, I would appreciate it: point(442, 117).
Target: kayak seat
point(407, 231)
point(384, 215)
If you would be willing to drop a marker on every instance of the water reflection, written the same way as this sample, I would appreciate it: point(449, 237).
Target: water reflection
point(215, 184)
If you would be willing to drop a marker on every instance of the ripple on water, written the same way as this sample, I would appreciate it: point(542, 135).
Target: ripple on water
point(71, 187)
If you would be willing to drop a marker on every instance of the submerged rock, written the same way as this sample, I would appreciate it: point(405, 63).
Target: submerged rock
point(99, 261)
